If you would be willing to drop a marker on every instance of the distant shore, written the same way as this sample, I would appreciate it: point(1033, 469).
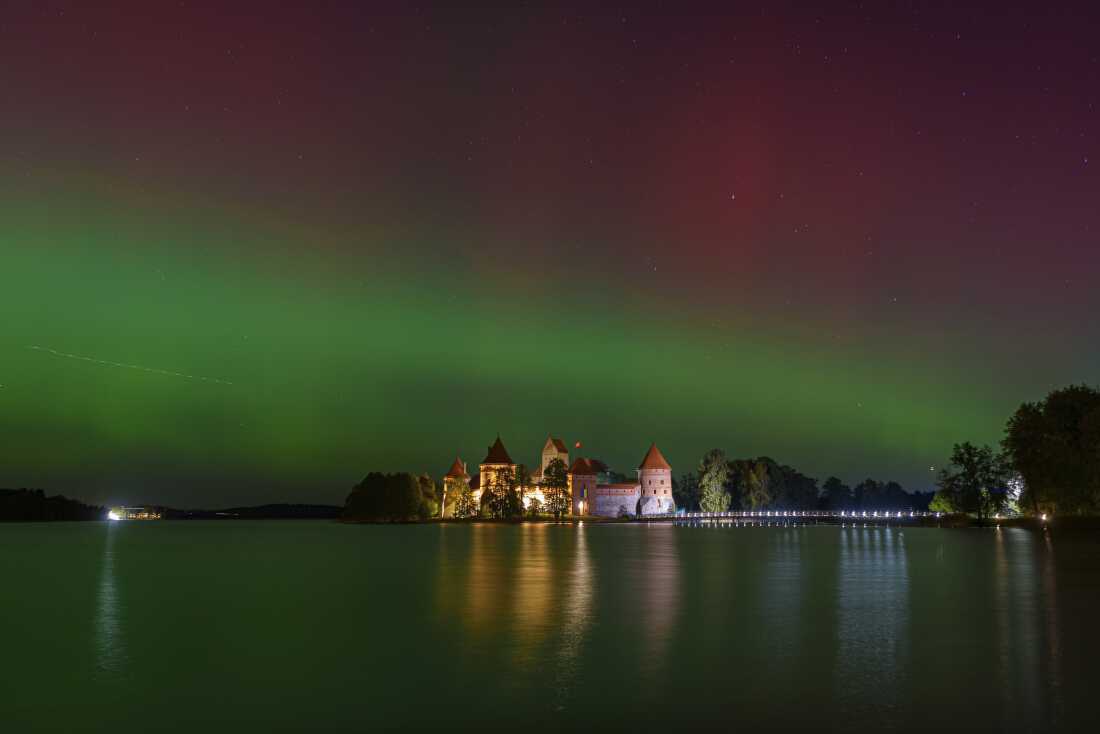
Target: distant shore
point(33, 505)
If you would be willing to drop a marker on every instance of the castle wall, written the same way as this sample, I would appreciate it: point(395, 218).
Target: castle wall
point(612, 500)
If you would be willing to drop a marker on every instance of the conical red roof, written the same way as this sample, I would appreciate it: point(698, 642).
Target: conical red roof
point(497, 454)
point(654, 460)
point(458, 469)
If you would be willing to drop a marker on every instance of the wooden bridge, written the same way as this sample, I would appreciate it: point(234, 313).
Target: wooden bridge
point(759, 518)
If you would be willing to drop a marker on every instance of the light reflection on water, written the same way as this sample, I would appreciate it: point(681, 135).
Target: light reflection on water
point(657, 568)
point(580, 588)
point(872, 608)
point(109, 643)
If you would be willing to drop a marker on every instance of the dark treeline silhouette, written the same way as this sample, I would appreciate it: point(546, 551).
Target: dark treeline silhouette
point(32, 505)
point(400, 497)
point(765, 484)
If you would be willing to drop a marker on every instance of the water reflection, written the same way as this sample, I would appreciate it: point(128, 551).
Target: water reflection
point(1053, 636)
point(110, 651)
point(780, 597)
point(872, 609)
point(483, 591)
point(533, 592)
point(659, 571)
point(525, 593)
point(577, 615)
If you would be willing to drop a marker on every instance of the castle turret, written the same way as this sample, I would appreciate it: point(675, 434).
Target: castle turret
point(496, 462)
point(453, 483)
point(655, 480)
point(582, 482)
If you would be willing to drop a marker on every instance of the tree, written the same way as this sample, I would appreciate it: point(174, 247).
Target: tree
point(523, 479)
point(464, 505)
point(835, 495)
point(865, 495)
point(429, 501)
point(385, 498)
point(975, 480)
point(555, 487)
point(713, 476)
point(758, 486)
point(795, 490)
point(685, 491)
point(1055, 447)
point(500, 499)
point(941, 502)
point(534, 507)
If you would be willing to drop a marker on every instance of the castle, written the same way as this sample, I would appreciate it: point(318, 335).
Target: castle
point(589, 487)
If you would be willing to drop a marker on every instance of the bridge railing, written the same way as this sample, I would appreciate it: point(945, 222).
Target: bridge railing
point(853, 515)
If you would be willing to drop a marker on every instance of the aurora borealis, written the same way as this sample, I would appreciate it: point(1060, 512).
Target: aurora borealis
point(840, 236)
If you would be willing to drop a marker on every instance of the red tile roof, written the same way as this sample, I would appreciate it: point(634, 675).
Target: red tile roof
point(559, 445)
point(458, 469)
point(585, 467)
point(654, 460)
point(497, 454)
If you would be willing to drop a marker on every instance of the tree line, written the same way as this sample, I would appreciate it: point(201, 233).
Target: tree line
point(721, 484)
point(32, 505)
point(1048, 462)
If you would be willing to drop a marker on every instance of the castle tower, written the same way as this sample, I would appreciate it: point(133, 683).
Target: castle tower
point(453, 482)
point(582, 483)
point(655, 479)
point(554, 448)
point(496, 461)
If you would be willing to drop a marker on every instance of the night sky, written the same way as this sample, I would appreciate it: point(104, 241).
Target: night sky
point(838, 235)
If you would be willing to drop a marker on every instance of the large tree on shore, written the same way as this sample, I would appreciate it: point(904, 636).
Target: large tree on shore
point(555, 487)
point(714, 474)
point(975, 481)
point(1054, 445)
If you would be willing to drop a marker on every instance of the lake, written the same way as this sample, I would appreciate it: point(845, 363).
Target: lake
point(317, 626)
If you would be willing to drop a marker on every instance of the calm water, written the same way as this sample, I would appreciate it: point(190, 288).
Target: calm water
point(296, 626)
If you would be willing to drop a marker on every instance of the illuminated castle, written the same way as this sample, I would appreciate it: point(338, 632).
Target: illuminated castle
point(590, 491)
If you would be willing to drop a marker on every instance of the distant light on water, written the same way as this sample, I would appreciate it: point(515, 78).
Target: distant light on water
point(112, 515)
